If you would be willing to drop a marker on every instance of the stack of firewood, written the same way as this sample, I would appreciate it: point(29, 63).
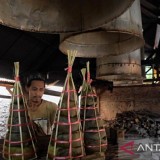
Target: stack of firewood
point(146, 124)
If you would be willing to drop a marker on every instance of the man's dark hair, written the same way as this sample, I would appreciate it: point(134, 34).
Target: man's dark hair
point(35, 76)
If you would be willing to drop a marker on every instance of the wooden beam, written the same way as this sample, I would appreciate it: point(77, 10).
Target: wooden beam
point(6, 85)
point(149, 6)
point(148, 13)
point(148, 46)
point(7, 97)
point(52, 93)
point(151, 80)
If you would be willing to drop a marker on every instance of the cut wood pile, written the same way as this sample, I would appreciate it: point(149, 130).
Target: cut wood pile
point(142, 122)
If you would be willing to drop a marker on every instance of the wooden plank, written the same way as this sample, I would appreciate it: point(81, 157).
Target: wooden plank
point(52, 93)
point(6, 85)
point(149, 6)
point(7, 97)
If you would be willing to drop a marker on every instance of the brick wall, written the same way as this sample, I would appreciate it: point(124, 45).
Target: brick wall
point(129, 98)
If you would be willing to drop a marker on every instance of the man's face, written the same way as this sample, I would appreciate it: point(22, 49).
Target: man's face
point(36, 91)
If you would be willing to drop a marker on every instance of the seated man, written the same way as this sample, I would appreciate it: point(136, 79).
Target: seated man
point(42, 112)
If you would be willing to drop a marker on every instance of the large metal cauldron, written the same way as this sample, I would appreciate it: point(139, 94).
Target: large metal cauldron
point(123, 70)
point(122, 35)
point(57, 16)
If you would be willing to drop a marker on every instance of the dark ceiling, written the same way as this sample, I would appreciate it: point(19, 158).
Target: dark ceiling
point(150, 12)
point(40, 52)
point(35, 52)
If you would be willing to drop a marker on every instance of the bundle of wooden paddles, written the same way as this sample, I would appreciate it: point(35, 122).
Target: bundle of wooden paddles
point(18, 142)
point(95, 138)
point(67, 140)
